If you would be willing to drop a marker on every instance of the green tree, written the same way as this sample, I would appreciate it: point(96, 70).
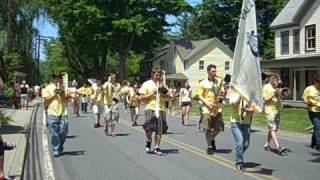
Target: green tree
point(220, 18)
point(56, 61)
point(91, 30)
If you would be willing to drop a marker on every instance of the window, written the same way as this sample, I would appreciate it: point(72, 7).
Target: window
point(201, 65)
point(296, 41)
point(311, 38)
point(186, 65)
point(284, 42)
point(227, 66)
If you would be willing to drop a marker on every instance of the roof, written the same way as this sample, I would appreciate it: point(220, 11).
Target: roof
point(189, 49)
point(291, 62)
point(176, 76)
point(291, 13)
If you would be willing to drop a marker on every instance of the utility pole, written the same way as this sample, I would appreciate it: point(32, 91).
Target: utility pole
point(40, 39)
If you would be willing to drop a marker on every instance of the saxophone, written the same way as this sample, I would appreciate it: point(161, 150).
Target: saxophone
point(217, 99)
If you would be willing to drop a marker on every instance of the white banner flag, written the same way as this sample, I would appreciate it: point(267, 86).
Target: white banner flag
point(246, 73)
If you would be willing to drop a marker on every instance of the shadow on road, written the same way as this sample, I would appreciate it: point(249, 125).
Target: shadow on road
point(72, 137)
point(223, 151)
point(170, 151)
point(74, 153)
point(174, 133)
point(317, 159)
point(254, 130)
point(11, 129)
point(122, 134)
point(258, 170)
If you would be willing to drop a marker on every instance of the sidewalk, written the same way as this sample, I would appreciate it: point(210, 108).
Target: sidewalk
point(15, 132)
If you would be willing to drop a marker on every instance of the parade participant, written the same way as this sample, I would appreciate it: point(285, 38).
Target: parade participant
point(311, 97)
point(85, 91)
point(124, 93)
point(170, 100)
point(271, 96)
point(208, 92)
point(113, 116)
point(154, 96)
point(97, 102)
point(240, 122)
point(24, 94)
point(185, 103)
point(111, 90)
point(134, 103)
point(75, 98)
point(56, 98)
point(195, 97)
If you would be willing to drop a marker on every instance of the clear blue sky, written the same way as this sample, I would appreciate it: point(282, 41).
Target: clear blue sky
point(48, 29)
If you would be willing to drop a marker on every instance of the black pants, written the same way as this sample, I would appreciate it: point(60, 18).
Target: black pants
point(84, 107)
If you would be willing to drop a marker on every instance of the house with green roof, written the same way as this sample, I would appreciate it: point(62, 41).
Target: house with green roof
point(297, 45)
point(187, 60)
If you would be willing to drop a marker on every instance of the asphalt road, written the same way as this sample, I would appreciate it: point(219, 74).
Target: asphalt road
point(89, 154)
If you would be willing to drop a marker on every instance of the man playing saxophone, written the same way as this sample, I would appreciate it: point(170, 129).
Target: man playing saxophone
point(208, 92)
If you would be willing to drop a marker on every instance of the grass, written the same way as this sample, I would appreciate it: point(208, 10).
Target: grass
point(4, 119)
point(291, 119)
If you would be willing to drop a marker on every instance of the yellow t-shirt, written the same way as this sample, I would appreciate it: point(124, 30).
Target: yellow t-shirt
point(209, 90)
point(311, 95)
point(73, 92)
point(238, 115)
point(110, 90)
point(97, 94)
point(273, 106)
point(149, 87)
point(57, 107)
point(133, 98)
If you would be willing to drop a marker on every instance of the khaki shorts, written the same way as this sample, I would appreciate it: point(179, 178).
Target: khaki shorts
point(273, 121)
point(213, 124)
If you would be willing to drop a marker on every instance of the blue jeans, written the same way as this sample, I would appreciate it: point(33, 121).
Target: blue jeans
point(241, 134)
point(315, 120)
point(58, 126)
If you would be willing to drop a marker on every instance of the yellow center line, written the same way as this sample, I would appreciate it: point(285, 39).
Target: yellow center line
point(199, 152)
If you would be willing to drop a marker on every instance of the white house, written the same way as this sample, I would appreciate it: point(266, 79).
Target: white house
point(297, 45)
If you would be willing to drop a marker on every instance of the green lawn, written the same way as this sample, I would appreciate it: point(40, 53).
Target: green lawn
point(292, 119)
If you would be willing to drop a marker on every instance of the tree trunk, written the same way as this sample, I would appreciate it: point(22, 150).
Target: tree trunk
point(122, 65)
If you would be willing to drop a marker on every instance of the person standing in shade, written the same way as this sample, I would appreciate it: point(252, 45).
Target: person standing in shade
point(185, 103)
point(134, 103)
point(24, 94)
point(111, 92)
point(171, 98)
point(311, 97)
point(208, 92)
point(154, 97)
point(124, 93)
point(74, 92)
point(240, 122)
point(56, 98)
point(97, 102)
point(85, 92)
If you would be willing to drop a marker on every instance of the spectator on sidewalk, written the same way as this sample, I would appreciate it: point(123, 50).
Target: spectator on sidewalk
point(37, 90)
point(55, 97)
point(24, 94)
point(3, 146)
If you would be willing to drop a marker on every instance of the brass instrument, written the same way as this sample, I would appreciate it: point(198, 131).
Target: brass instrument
point(160, 90)
point(218, 99)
